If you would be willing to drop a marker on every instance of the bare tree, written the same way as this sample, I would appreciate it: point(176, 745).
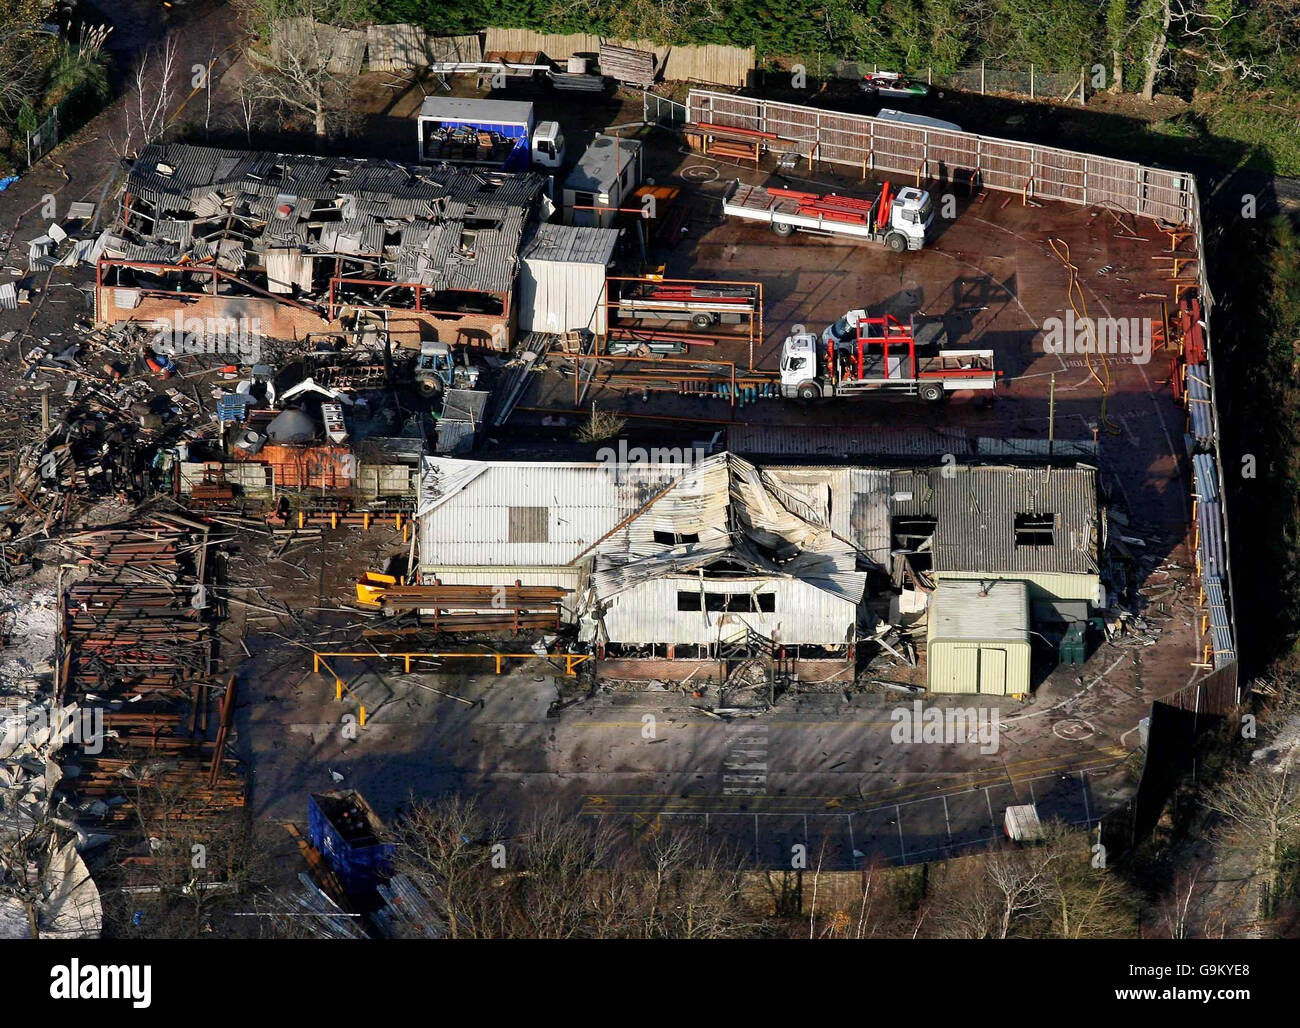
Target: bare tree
point(444, 848)
point(1197, 27)
point(301, 73)
point(147, 110)
point(1260, 808)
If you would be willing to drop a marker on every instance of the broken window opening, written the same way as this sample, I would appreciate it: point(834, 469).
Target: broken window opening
point(911, 532)
point(676, 538)
point(1035, 530)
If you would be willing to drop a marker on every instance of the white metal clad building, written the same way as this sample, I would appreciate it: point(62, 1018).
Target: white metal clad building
point(684, 609)
point(728, 550)
point(562, 278)
point(497, 522)
point(977, 638)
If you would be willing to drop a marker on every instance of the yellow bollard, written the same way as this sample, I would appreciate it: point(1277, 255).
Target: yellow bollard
point(334, 519)
point(301, 522)
point(338, 689)
point(315, 663)
point(363, 717)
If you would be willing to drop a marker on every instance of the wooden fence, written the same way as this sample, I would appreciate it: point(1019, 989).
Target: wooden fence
point(872, 144)
point(717, 65)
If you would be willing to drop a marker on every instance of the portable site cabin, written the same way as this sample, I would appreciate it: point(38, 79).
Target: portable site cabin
point(562, 278)
point(605, 176)
point(977, 638)
point(471, 131)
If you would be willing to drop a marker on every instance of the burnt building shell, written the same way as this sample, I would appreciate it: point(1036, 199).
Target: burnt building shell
point(268, 218)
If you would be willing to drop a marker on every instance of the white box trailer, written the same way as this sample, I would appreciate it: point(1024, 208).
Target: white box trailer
point(472, 131)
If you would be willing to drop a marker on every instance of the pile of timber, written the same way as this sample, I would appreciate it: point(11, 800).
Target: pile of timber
point(624, 64)
point(480, 608)
point(161, 542)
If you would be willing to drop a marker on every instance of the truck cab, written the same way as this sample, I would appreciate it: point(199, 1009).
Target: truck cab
point(912, 214)
point(548, 145)
point(799, 365)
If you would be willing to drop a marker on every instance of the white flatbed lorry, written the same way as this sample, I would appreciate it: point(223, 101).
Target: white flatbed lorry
point(901, 221)
point(881, 355)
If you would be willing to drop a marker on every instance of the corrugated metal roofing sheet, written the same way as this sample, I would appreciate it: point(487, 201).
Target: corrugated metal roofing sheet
point(993, 612)
point(975, 511)
point(833, 443)
point(465, 507)
point(571, 244)
point(180, 178)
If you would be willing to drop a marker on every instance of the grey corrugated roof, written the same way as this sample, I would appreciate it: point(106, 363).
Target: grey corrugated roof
point(496, 205)
point(845, 443)
point(571, 244)
point(975, 511)
point(989, 611)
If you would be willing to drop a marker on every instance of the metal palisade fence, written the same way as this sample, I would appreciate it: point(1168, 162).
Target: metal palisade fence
point(871, 144)
point(44, 138)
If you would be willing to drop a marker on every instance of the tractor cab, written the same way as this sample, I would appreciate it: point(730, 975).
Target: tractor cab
point(436, 370)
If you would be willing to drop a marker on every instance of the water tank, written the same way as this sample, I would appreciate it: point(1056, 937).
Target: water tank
point(577, 65)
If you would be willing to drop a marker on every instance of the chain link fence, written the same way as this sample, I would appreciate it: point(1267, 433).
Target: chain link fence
point(659, 110)
point(981, 77)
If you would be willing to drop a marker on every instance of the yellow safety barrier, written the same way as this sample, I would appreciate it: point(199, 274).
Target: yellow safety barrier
point(571, 660)
point(340, 686)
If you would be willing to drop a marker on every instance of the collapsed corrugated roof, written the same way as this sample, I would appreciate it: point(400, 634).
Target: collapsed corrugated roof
point(725, 510)
point(449, 228)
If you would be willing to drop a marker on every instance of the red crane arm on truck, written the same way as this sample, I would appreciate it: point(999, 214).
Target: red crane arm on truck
point(888, 333)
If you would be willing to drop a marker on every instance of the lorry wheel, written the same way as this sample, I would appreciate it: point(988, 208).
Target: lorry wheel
point(896, 242)
point(702, 320)
point(429, 389)
point(809, 392)
point(931, 392)
point(781, 229)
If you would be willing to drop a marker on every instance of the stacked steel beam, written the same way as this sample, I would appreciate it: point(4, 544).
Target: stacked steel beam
point(138, 644)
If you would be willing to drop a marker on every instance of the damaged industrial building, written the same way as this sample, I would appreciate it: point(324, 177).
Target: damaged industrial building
point(303, 245)
point(718, 559)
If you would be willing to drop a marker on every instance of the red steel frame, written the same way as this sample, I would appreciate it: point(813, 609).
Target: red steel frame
point(419, 308)
point(893, 331)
